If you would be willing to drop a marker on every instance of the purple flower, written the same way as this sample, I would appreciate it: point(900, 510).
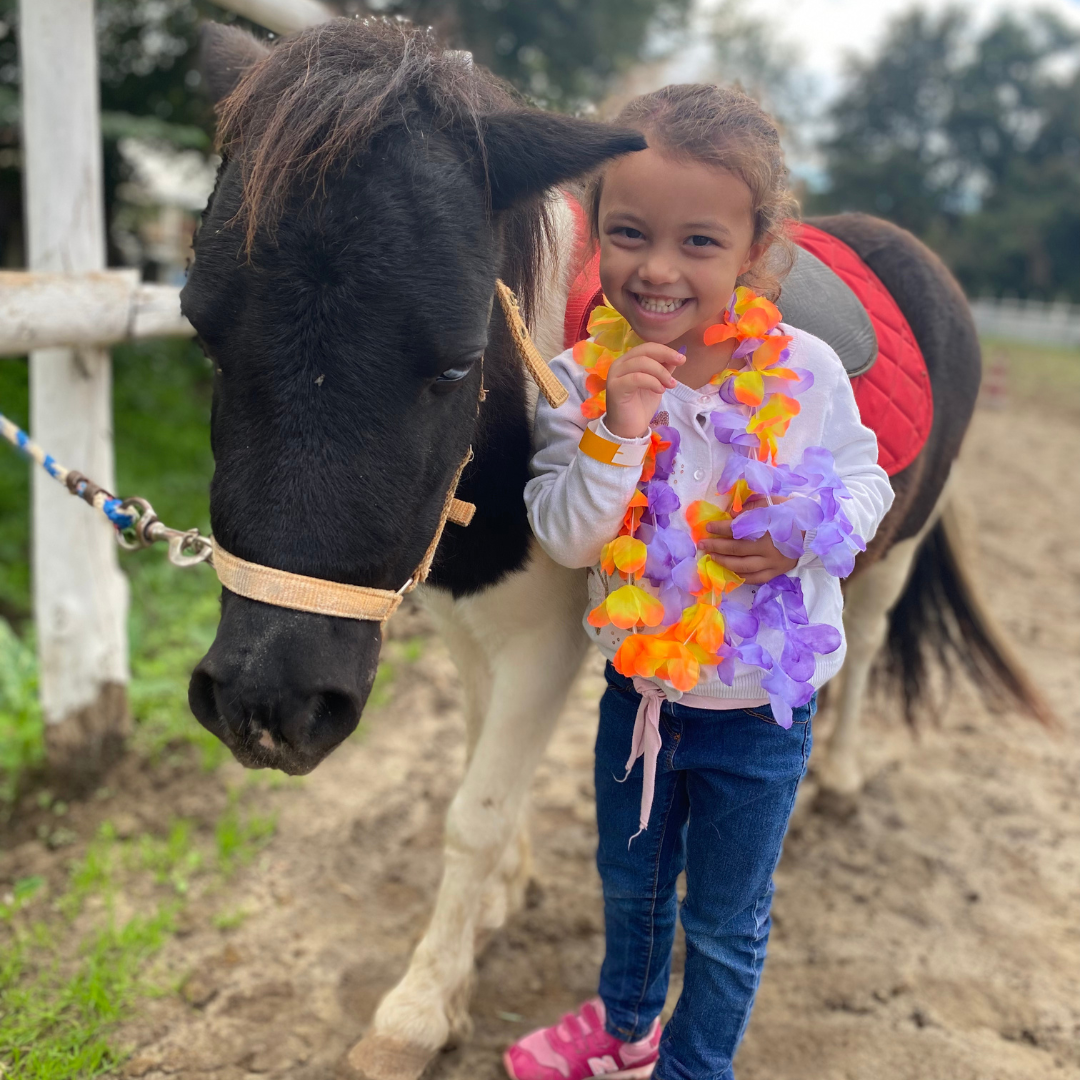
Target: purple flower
point(737, 619)
point(665, 549)
point(760, 476)
point(802, 643)
point(835, 546)
point(748, 652)
point(665, 459)
point(783, 521)
point(729, 427)
point(746, 348)
point(785, 694)
point(663, 502)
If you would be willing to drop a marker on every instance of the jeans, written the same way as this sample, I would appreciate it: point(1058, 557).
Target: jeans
point(725, 788)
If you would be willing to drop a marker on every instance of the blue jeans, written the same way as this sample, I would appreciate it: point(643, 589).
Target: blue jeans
point(725, 788)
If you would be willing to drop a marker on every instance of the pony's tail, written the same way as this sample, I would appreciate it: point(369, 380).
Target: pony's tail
point(942, 615)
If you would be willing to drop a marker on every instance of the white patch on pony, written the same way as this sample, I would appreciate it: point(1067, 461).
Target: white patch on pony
point(868, 599)
point(267, 740)
point(519, 645)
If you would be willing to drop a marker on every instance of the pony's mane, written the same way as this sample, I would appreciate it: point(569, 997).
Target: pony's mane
point(321, 98)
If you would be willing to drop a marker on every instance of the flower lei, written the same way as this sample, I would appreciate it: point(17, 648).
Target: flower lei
point(692, 623)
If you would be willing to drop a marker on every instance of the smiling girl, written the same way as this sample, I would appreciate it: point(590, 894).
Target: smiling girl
point(711, 470)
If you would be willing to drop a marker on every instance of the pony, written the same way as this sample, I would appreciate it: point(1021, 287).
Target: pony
point(373, 188)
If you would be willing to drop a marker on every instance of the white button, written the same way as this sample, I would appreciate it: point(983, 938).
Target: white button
point(699, 474)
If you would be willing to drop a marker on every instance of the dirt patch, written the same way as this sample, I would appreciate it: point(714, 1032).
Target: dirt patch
point(931, 935)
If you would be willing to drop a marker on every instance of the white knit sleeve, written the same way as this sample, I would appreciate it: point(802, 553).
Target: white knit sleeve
point(575, 503)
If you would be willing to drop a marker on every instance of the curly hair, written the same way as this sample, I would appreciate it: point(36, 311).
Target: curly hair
point(723, 127)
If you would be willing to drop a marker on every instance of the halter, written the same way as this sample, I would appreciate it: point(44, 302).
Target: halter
point(322, 597)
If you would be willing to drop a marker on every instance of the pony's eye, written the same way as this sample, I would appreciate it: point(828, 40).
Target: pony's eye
point(454, 375)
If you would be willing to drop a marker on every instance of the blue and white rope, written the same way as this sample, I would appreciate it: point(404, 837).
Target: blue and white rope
point(78, 484)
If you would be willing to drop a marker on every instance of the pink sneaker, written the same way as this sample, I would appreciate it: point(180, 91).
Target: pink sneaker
point(578, 1047)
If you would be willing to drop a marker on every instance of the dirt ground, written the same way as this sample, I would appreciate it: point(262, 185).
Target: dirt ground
point(932, 935)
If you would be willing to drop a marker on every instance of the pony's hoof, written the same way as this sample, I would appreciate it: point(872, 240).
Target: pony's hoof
point(837, 805)
point(376, 1057)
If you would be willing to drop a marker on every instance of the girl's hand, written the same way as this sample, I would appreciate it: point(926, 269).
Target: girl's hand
point(755, 561)
point(635, 384)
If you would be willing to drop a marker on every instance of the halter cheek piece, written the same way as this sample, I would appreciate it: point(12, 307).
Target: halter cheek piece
point(323, 597)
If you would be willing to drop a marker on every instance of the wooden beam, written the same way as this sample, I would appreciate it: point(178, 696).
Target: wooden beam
point(103, 307)
point(80, 595)
point(281, 16)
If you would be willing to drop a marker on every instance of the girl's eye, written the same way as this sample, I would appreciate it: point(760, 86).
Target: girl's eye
point(629, 233)
point(700, 241)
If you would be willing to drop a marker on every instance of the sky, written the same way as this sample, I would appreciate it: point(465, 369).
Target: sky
point(823, 32)
point(820, 36)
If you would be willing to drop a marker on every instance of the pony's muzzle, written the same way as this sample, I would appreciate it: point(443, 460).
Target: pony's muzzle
point(283, 688)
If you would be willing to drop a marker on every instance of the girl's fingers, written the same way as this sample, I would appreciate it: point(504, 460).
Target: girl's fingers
point(719, 528)
point(639, 365)
point(747, 564)
point(635, 381)
point(733, 547)
point(662, 354)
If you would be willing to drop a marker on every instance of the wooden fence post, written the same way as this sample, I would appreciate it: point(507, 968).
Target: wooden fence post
point(80, 595)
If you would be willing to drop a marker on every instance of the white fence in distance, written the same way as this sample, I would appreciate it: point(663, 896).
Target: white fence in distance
point(1028, 320)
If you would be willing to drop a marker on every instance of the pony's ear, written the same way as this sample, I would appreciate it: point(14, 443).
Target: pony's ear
point(226, 53)
point(529, 151)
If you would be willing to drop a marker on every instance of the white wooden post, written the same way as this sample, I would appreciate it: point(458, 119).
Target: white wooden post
point(281, 16)
point(80, 595)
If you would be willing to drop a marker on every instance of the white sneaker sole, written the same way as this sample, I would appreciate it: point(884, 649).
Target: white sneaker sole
point(641, 1072)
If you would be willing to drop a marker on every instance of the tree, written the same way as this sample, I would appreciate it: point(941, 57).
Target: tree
point(562, 53)
point(972, 141)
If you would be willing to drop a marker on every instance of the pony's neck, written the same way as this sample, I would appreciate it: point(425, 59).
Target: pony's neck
point(553, 289)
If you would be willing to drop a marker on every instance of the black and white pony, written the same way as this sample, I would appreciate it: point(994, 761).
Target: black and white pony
point(373, 189)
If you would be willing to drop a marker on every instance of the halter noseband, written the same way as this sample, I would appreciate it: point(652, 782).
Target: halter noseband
point(322, 597)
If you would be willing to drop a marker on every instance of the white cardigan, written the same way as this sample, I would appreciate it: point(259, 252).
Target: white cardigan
point(576, 503)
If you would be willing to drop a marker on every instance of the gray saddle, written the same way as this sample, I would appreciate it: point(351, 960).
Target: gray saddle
point(815, 299)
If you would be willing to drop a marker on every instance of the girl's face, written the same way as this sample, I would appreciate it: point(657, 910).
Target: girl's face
point(674, 236)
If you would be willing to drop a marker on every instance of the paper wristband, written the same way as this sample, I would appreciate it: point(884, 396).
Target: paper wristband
point(628, 455)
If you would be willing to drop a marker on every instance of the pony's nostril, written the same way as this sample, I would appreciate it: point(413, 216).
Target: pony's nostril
point(334, 709)
point(332, 717)
point(202, 700)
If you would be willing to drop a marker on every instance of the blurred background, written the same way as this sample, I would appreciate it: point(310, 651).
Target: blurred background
point(960, 122)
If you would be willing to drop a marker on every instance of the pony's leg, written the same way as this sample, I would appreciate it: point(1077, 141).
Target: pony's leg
point(867, 602)
point(869, 598)
point(528, 627)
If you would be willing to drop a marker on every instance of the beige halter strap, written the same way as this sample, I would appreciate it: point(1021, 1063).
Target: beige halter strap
point(322, 597)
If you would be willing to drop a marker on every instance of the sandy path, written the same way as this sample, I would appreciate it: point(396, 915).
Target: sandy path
point(935, 935)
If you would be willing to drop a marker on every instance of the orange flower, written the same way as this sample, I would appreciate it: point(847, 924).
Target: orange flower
point(656, 444)
point(625, 554)
point(701, 623)
point(632, 517)
point(698, 516)
point(627, 607)
point(716, 578)
point(652, 656)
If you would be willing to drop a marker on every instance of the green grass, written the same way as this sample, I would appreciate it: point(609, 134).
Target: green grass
point(56, 1017)
point(1037, 373)
point(162, 409)
point(64, 990)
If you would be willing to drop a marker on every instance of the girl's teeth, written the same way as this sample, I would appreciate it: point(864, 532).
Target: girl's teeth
point(659, 306)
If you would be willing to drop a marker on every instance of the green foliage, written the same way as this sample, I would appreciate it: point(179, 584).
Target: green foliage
point(56, 1017)
point(161, 399)
point(22, 746)
point(562, 53)
point(972, 141)
point(61, 997)
point(240, 837)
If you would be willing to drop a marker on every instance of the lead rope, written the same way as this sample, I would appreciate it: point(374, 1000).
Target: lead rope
point(137, 526)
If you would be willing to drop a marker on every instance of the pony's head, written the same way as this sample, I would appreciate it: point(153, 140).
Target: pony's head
point(373, 186)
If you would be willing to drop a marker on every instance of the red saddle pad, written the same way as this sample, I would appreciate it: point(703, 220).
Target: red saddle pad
point(894, 396)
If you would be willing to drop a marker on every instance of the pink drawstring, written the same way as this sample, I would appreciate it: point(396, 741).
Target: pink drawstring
point(646, 741)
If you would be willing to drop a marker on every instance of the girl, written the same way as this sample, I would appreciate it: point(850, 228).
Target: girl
point(711, 470)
